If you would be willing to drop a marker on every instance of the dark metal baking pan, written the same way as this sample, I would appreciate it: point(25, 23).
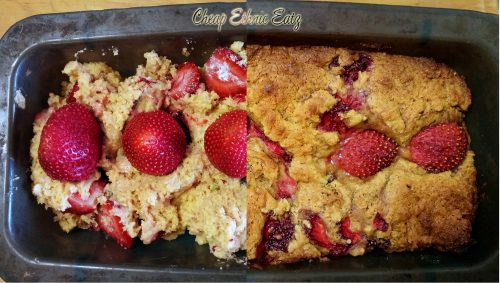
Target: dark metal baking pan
point(33, 53)
point(467, 42)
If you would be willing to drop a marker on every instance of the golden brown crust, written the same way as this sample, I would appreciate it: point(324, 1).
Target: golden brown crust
point(289, 88)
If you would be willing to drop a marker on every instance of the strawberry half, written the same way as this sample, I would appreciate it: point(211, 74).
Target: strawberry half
point(318, 235)
point(154, 143)
point(226, 74)
point(285, 185)
point(111, 225)
point(439, 147)
point(365, 153)
point(225, 143)
point(81, 206)
point(185, 81)
point(273, 148)
point(70, 145)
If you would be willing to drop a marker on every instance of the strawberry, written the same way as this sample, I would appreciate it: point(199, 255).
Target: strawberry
point(273, 148)
point(225, 143)
point(285, 185)
point(331, 120)
point(81, 206)
point(439, 147)
point(71, 96)
point(345, 231)
point(379, 223)
point(318, 235)
point(154, 143)
point(70, 145)
point(365, 153)
point(185, 81)
point(226, 74)
point(111, 225)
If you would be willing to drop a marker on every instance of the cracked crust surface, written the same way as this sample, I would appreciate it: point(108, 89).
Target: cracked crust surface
point(289, 88)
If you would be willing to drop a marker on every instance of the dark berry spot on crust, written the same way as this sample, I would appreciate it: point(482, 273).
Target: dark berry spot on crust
point(334, 62)
point(276, 234)
point(350, 73)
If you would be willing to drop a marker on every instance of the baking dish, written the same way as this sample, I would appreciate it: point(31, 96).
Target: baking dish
point(33, 52)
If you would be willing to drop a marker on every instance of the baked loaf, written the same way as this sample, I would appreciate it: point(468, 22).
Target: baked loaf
point(313, 111)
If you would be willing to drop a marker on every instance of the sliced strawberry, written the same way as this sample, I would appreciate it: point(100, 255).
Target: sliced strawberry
point(111, 225)
point(154, 143)
point(185, 81)
point(331, 120)
point(273, 148)
point(81, 206)
point(365, 153)
point(225, 143)
point(318, 235)
point(285, 185)
point(226, 74)
point(439, 147)
point(71, 96)
point(70, 145)
point(347, 233)
point(379, 223)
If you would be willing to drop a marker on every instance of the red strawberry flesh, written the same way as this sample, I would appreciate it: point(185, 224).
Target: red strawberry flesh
point(154, 143)
point(439, 147)
point(379, 223)
point(331, 120)
point(70, 144)
point(318, 235)
point(71, 96)
point(185, 81)
point(273, 148)
point(285, 185)
point(365, 153)
point(225, 143)
point(225, 74)
point(347, 233)
point(82, 206)
point(111, 225)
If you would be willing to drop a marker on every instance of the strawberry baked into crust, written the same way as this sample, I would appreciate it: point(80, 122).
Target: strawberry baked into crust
point(133, 192)
point(354, 151)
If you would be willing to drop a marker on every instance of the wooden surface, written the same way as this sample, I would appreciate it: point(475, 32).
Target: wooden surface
point(12, 11)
